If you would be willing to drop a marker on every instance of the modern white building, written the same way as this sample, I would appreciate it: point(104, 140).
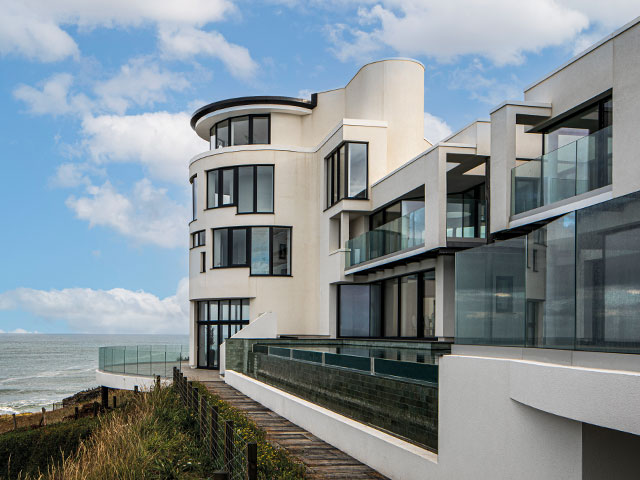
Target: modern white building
point(516, 239)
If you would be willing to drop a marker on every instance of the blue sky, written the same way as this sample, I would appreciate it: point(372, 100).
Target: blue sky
point(96, 97)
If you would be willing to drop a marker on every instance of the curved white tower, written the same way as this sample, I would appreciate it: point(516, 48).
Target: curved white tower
point(270, 209)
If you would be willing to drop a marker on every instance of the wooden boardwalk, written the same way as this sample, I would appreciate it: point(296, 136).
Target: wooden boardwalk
point(321, 459)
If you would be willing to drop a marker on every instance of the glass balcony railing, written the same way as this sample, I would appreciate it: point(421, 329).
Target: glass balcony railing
point(399, 234)
point(146, 360)
point(575, 168)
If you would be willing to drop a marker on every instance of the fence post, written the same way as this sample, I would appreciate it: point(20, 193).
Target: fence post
point(252, 461)
point(77, 413)
point(43, 420)
point(15, 422)
point(115, 402)
point(220, 475)
point(104, 392)
point(228, 444)
point(189, 393)
point(135, 389)
point(157, 382)
point(213, 433)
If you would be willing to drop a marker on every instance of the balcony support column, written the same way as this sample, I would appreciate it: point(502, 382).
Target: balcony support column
point(435, 199)
point(445, 296)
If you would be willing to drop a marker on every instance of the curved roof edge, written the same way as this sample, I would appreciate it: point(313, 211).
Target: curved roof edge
point(257, 100)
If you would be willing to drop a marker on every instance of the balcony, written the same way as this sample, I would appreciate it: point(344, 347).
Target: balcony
point(400, 234)
point(573, 169)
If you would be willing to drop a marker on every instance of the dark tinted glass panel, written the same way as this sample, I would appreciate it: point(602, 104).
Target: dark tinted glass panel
point(260, 251)
point(212, 189)
point(550, 280)
point(239, 247)
point(245, 189)
point(261, 130)
point(354, 310)
point(194, 198)
point(202, 346)
point(328, 178)
point(203, 311)
point(264, 189)
point(213, 310)
point(429, 304)
point(608, 277)
point(245, 310)
point(357, 170)
point(336, 183)
point(227, 186)
point(220, 248)
point(490, 293)
point(222, 134)
point(375, 309)
point(281, 251)
point(409, 306)
point(342, 161)
point(390, 308)
point(240, 131)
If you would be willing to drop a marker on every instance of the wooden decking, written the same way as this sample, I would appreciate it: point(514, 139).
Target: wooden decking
point(322, 460)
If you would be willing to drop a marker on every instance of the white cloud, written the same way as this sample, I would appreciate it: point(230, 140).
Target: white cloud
point(435, 129)
point(139, 82)
point(53, 98)
point(105, 311)
point(160, 141)
point(34, 28)
point(500, 30)
point(70, 175)
point(33, 35)
point(147, 215)
point(186, 42)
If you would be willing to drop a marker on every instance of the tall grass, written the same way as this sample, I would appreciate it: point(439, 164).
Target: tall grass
point(151, 437)
point(154, 437)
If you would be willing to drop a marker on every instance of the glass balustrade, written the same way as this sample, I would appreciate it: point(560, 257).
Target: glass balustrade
point(575, 168)
point(147, 360)
point(399, 234)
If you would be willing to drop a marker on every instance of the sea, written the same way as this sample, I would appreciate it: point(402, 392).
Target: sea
point(37, 370)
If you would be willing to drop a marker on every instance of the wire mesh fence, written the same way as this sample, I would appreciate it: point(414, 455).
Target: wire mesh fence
point(234, 457)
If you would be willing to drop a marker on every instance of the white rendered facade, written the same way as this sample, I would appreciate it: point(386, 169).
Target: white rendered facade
point(536, 410)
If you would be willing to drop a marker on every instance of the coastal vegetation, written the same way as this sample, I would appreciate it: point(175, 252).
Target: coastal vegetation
point(151, 436)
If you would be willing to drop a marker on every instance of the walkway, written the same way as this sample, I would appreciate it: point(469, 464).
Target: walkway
point(323, 461)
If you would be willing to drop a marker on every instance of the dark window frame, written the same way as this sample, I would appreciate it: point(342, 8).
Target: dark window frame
point(236, 190)
point(251, 117)
point(194, 197)
point(219, 324)
point(197, 234)
point(420, 310)
point(203, 262)
point(332, 164)
point(248, 241)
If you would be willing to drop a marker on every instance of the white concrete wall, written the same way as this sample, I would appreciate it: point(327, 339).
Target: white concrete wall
point(127, 382)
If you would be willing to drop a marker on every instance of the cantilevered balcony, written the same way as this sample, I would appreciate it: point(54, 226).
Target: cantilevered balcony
point(400, 234)
point(575, 168)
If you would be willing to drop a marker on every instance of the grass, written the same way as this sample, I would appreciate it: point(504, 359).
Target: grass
point(154, 437)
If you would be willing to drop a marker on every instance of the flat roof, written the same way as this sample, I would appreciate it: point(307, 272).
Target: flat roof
point(256, 100)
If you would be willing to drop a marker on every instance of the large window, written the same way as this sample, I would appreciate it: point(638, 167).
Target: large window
point(398, 307)
point(217, 321)
point(249, 187)
point(245, 130)
point(194, 197)
point(266, 250)
point(346, 172)
point(466, 213)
